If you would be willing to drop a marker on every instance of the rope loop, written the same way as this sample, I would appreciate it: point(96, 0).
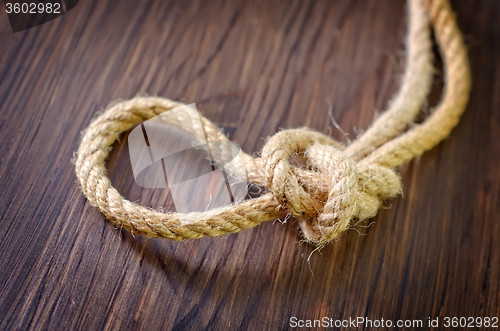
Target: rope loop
point(338, 185)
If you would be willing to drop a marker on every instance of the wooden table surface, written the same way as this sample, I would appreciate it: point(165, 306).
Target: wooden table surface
point(256, 66)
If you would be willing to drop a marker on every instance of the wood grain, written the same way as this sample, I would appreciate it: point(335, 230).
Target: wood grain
point(256, 66)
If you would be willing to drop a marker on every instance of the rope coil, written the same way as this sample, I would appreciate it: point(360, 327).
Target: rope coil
point(340, 185)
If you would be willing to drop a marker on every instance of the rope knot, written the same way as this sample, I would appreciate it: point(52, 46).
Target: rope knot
point(332, 192)
point(337, 187)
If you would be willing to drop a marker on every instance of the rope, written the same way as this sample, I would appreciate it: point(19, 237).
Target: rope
point(339, 187)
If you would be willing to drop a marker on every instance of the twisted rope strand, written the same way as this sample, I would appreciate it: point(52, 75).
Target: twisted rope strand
point(455, 97)
point(339, 187)
point(415, 87)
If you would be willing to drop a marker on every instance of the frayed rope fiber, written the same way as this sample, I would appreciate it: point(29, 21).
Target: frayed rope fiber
point(340, 185)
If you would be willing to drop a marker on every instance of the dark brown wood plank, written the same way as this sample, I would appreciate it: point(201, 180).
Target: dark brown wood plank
point(256, 66)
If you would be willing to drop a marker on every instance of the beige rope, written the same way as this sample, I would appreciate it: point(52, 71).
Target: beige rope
point(338, 187)
point(414, 89)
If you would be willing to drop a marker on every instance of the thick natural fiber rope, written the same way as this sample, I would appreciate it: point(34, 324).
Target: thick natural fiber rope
point(339, 187)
